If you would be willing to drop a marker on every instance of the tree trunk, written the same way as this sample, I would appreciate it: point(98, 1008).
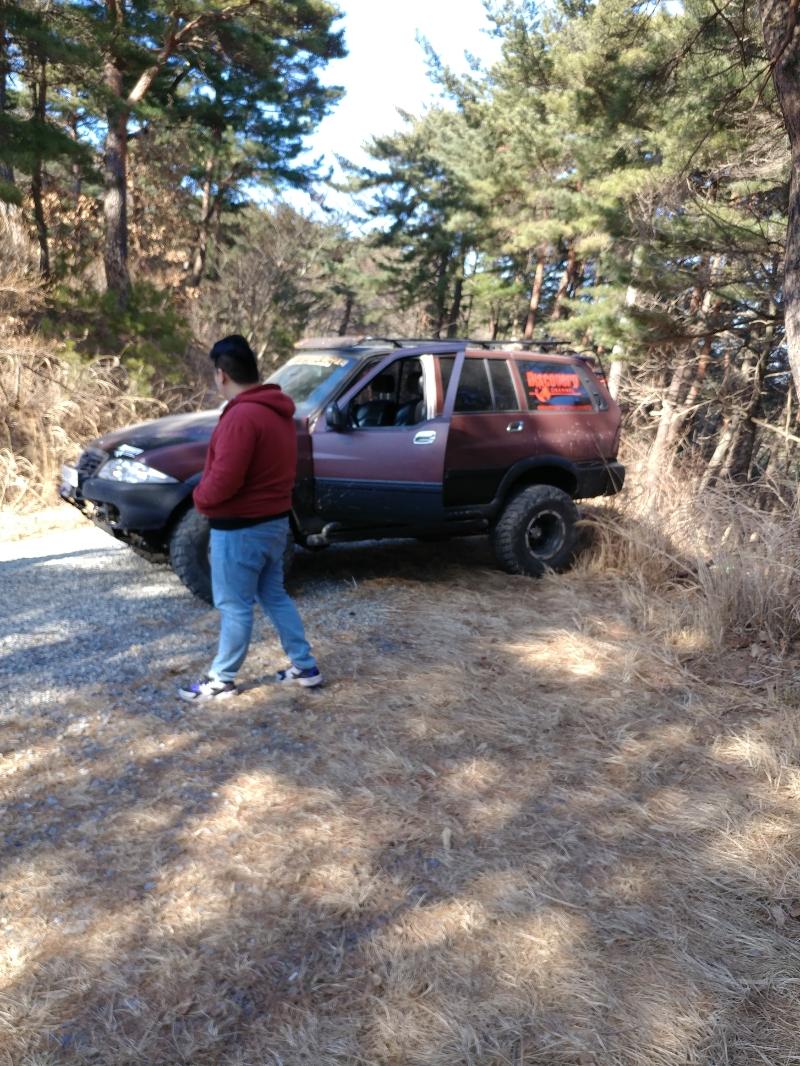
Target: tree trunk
point(77, 179)
point(441, 294)
point(717, 460)
point(780, 459)
point(618, 352)
point(670, 415)
point(41, 222)
point(6, 171)
point(698, 356)
point(209, 209)
point(615, 377)
point(566, 284)
point(536, 295)
point(201, 251)
point(347, 313)
point(39, 98)
point(740, 454)
point(779, 22)
point(516, 321)
point(696, 369)
point(455, 306)
point(115, 202)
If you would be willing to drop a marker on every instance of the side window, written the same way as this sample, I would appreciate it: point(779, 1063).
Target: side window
point(553, 386)
point(474, 392)
point(505, 395)
point(485, 385)
point(395, 397)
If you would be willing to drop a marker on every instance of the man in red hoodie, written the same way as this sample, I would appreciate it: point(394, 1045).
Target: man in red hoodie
point(246, 494)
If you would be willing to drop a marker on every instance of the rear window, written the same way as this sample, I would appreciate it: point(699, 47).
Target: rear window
point(553, 386)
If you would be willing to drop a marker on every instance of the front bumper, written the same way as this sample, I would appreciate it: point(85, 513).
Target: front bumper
point(125, 508)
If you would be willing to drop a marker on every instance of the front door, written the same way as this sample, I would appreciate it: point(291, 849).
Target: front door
point(386, 468)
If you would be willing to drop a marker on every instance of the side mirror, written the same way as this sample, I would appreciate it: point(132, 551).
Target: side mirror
point(335, 417)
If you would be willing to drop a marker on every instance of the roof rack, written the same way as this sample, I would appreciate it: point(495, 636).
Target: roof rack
point(395, 342)
point(359, 341)
point(472, 342)
point(544, 342)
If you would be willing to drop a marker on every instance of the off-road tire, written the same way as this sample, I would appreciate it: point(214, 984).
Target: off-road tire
point(188, 554)
point(536, 531)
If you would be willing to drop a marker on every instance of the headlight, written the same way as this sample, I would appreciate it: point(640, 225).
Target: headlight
point(132, 472)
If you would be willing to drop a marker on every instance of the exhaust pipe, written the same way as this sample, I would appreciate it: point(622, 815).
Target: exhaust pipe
point(322, 539)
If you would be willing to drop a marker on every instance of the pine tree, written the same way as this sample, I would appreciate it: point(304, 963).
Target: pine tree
point(35, 44)
point(149, 49)
point(780, 27)
point(427, 214)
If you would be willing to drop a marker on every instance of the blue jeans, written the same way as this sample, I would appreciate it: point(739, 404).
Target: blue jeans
point(247, 565)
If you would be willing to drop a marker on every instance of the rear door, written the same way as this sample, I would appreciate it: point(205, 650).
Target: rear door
point(486, 431)
point(387, 468)
point(566, 413)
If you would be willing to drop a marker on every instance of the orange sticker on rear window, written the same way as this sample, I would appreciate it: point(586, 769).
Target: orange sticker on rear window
point(543, 387)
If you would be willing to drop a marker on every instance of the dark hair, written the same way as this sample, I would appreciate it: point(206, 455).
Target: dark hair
point(235, 356)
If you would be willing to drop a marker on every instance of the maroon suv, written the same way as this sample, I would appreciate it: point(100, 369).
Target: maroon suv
point(396, 439)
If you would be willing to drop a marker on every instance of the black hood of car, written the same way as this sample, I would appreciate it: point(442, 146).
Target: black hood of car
point(162, 432)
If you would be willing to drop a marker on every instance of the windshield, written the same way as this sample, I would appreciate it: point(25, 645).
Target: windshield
point(311, 377)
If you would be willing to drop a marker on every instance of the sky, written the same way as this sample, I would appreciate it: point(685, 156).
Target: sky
point(385, 70)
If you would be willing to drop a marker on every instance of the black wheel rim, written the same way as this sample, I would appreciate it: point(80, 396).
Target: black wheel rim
point(545, 534)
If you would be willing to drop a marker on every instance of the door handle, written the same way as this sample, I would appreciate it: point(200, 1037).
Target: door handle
point(425, 436)
point(514, 427)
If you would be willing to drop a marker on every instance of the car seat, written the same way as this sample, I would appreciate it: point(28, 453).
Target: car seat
point(413, 410)
point(377, 412)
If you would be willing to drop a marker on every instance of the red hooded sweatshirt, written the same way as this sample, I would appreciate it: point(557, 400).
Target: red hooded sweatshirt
point(252, 459)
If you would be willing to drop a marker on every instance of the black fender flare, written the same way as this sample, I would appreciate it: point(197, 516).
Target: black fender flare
point(566, 476)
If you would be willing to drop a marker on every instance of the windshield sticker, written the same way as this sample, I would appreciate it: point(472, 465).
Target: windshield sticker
point(318, 360)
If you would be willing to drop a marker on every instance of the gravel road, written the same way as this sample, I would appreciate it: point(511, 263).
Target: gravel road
point(78, 610)
point(83, 616)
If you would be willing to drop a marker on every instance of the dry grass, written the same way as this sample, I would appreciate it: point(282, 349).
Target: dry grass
point(50, 406)
point(541, 823)
point(51, 403)
point(730, 554)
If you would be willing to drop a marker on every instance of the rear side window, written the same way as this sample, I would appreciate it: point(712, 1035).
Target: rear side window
point(553, 386)
point(474, 393)
point(505, 395)
point(485, 385)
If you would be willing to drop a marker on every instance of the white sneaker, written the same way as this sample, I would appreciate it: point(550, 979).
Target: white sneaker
point(294, 675)
point(208, 688)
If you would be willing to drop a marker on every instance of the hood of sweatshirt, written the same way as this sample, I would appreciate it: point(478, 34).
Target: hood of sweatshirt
point(266, 396)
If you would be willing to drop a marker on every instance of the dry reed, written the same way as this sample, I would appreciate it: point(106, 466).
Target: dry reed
point(735, 547)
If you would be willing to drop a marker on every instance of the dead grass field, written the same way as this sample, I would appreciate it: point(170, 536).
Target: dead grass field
point(526, 822)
